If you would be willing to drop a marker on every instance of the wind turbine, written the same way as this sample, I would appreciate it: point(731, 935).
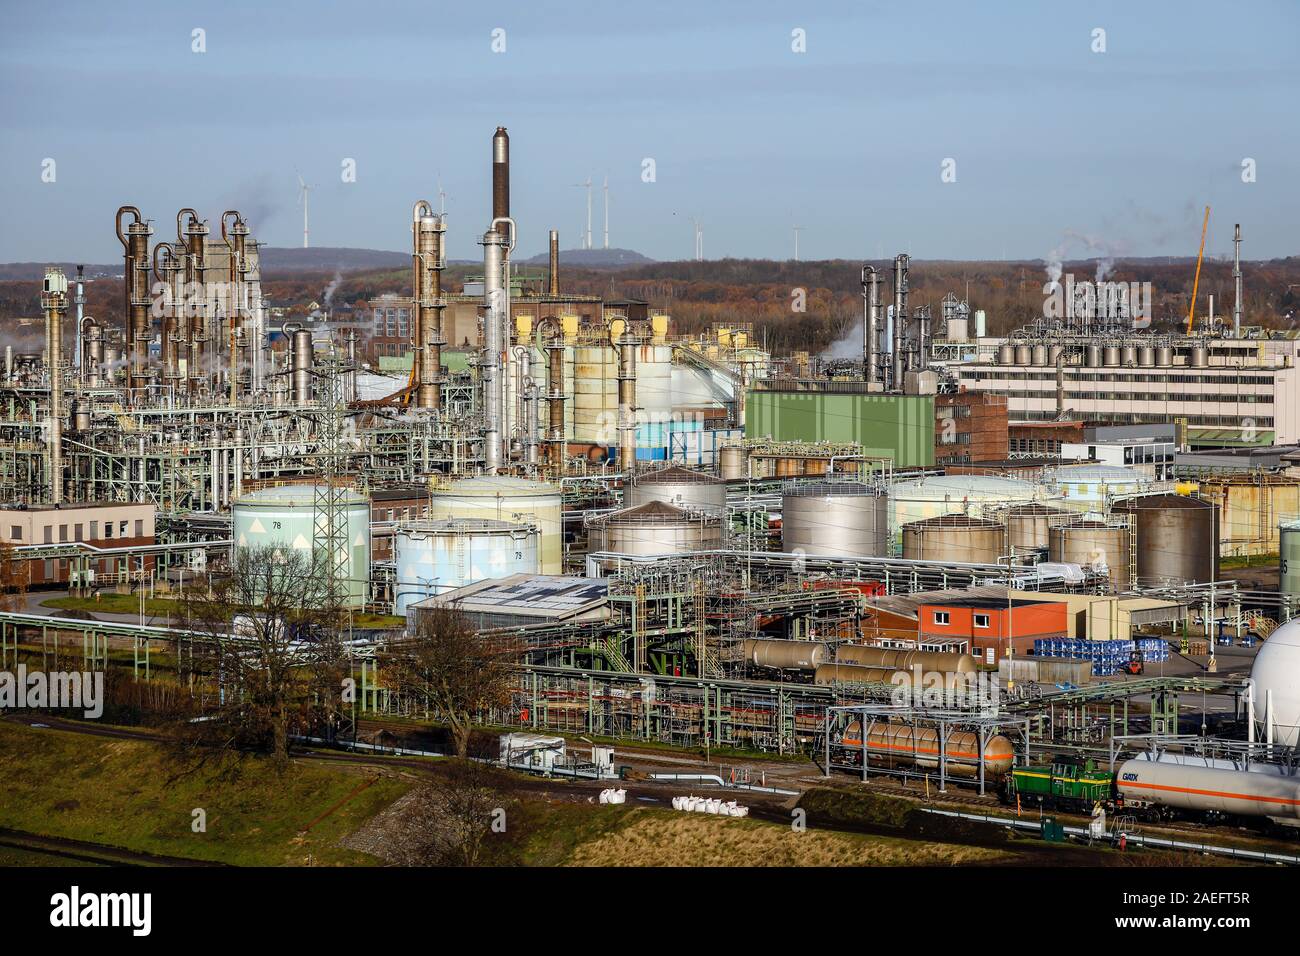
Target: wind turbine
point(699, 240)
point(442, 199)
point(303, 189)
point(606, 187)
point(797, 230)
point(587, 186)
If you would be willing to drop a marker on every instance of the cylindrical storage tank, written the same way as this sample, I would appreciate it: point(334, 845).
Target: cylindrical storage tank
point(904, 745)
point(839, 519)
point(936, 495)
point(693, 490)
point(1093, 544)
point(1028, 526)
point(1024, 354)
point(1128, 355)
point(1198, 357)
point(1006, 355)
point(1164, 355)
point(1110, 356)
point(654, 383)
point(1289, 553)
point(1177, 538)
point(1054, 353)
point(595, 394)
point(785, 655)
point(284, 517)
point(1093, 355)
point(955, 538)
point(1040, 355)
point(1146, 356)
point(437, 556)
point(733, 463)
point(905, 660)
point(654, 528)
point(506, 498)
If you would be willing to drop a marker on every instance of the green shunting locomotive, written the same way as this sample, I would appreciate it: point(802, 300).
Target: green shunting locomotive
point(1065, 784)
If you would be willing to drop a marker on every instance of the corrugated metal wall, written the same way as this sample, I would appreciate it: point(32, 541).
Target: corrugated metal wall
point(897, 426)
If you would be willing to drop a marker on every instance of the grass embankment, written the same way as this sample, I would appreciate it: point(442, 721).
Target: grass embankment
point(121, 793)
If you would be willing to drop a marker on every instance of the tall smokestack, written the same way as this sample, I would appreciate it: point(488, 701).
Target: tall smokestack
point(1236, 281)
point(501, 179)
point(54, 296)
point(553, 287)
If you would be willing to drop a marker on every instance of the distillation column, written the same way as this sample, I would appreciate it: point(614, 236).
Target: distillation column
point(1236, 281)
point(494, 313)
point(194, 320)
point(626, 346)
point(870, 324)
point(54, 299)
point(136, 282)
point(427, 264)
point(235, 237)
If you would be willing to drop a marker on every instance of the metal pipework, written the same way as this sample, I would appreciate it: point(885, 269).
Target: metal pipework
point(54, 298)
point(80, 300)
point(626, 348)
point(529, 402)
point(90, 337)
point(870, 323)
point(427, 231)
point(553, 283)
point(136, 283)
point(1236, 281)
point(234, 238)
point(501, 182)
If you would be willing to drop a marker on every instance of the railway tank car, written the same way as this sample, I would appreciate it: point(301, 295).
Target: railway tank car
point(903, 745)
point(1210, 790)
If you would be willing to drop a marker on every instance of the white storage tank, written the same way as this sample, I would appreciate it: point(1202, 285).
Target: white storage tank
point(506, 498)
point(284, 516)
point(1276, 672)
point(437, 556)
point(675, 485)
point(975, 495)
point(1086, 487)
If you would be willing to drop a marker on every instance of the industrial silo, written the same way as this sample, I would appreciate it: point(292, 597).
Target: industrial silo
point(285, 517)
point(595, 394)
point(839, 519)
point(954, 538)
point(1099, 545)
point(733, 463)
point(654, 528)
point(1289, 551)
point(678, 486)
point(935, 495)
point(506, 498)
point(1028, 526)
point(1177, 538)
point(437, 556)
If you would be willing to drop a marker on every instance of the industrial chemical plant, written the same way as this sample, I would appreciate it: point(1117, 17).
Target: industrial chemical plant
point(689, 541)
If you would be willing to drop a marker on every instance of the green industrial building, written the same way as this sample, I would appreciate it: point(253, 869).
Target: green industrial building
point(900, 427)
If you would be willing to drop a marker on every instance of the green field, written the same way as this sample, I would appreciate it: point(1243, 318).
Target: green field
point(120, 793)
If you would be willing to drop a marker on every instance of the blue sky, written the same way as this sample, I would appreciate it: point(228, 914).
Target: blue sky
point(1051, 140)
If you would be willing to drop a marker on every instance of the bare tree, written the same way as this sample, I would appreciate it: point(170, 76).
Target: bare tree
point(266, 655)
point(448, 819)
point(453, 670)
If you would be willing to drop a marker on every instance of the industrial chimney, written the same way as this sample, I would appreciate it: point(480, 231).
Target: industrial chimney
point(553, 286)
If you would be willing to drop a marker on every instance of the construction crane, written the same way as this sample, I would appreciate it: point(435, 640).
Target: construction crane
point(1196, 282)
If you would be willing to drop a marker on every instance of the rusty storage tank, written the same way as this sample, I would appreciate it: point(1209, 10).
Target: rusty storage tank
point(678, 486)
point(902, 745)
point(956, 537)
point(784, 655)
point(1028, 525)
point(841, 519)
point(904, 659)
point(1177, 538)
point(733, 463)
point(654, 528)
point(1094, 544)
